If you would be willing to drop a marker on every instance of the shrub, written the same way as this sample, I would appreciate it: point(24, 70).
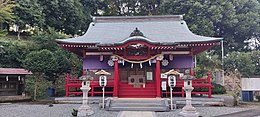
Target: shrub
point(42, 86)
point(218, 89)
point(60, 83)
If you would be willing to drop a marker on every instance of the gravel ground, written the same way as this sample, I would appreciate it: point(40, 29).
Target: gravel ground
point(58, 110)
point(205, 111)
point(64, 110)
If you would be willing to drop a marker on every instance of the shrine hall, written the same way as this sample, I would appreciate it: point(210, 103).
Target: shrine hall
point(136, 51)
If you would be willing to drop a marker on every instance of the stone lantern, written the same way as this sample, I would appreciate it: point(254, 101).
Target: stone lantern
point(188, 110)
point(85, 109)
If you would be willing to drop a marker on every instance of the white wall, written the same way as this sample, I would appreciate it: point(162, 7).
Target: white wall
point(250, 84)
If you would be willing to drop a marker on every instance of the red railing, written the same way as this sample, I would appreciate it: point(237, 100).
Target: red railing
point(75, 84)
point(197, 83)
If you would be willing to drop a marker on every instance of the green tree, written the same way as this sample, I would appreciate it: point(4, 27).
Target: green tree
point(46, 39)
point(14, 51)
point(39, 62)
point(6, 14)
point(94, 7)
point(65, 16)
point(206, 62)
point(132, 7)
point(64, 65)
point(28, 14)
point(235, 20)
point(66, 61)
point(255, 57)
point(241, 62)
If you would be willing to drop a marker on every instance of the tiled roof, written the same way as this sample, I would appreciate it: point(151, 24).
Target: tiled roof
point(156, 29)
point(10, 71)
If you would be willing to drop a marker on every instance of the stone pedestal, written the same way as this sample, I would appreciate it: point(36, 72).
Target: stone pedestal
point(85, 109)
point(188, 110)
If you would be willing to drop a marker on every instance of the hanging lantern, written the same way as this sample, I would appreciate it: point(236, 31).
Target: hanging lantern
point(101, 58)
point(123, 62)
point(170, 57)
point(19, 78)
point(6, 78)
point(165, 62)
point(150, 62)
point(141, 66)
point(132, 65)
point(110, 63)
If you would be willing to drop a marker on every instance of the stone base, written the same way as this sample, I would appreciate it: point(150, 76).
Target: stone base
point(84, 111)
point(189, 114)
point(189, 111)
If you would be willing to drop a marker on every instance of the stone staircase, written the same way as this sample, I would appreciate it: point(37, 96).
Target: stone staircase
point(137, 104)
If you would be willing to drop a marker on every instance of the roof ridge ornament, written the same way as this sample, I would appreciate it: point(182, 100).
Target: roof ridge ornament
point(136, 32)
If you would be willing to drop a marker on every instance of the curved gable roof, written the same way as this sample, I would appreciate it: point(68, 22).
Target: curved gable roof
point(156, 29)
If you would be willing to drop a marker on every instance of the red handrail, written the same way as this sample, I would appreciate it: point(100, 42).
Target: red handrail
point(197, 83)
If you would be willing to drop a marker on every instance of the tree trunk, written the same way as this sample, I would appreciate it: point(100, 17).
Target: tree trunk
point(35, 87)
point(18, 35)
point(18, 32)
point(1, 26)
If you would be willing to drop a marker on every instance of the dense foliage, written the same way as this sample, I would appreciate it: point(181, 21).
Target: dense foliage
point(235, 20)
point(67, 16)
point(6, 14)
point(42, 87)
point(246, 63)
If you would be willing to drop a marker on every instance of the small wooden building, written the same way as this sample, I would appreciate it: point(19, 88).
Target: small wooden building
point(12, 81)
point(137, 50)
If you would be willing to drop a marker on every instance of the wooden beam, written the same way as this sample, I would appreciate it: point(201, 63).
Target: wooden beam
point(99, 53)
point(177, 52)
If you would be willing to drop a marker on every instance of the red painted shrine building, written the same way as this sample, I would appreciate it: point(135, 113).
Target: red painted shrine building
point(137, 50)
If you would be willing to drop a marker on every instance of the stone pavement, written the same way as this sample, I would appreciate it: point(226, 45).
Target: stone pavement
point(247, 113)
point(136, 114)
point(14, 98)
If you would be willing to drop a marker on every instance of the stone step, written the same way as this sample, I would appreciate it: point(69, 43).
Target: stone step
point(140, 104)
point(14, 99)
point(135, 93)
point(138, 89)
point(137, 104)
point(137, 101)
point(137, 96)
point(200, 103)
point(157, 109)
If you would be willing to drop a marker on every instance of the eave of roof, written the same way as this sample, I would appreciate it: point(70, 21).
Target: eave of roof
point(14, 71)
point(159, 30)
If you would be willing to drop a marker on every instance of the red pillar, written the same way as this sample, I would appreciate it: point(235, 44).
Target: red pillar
point(83, 72)
point(192, 72)
point(66, 86)
point(158, 79)
point(92, 91)
point(116, 79)
point(209, 82)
